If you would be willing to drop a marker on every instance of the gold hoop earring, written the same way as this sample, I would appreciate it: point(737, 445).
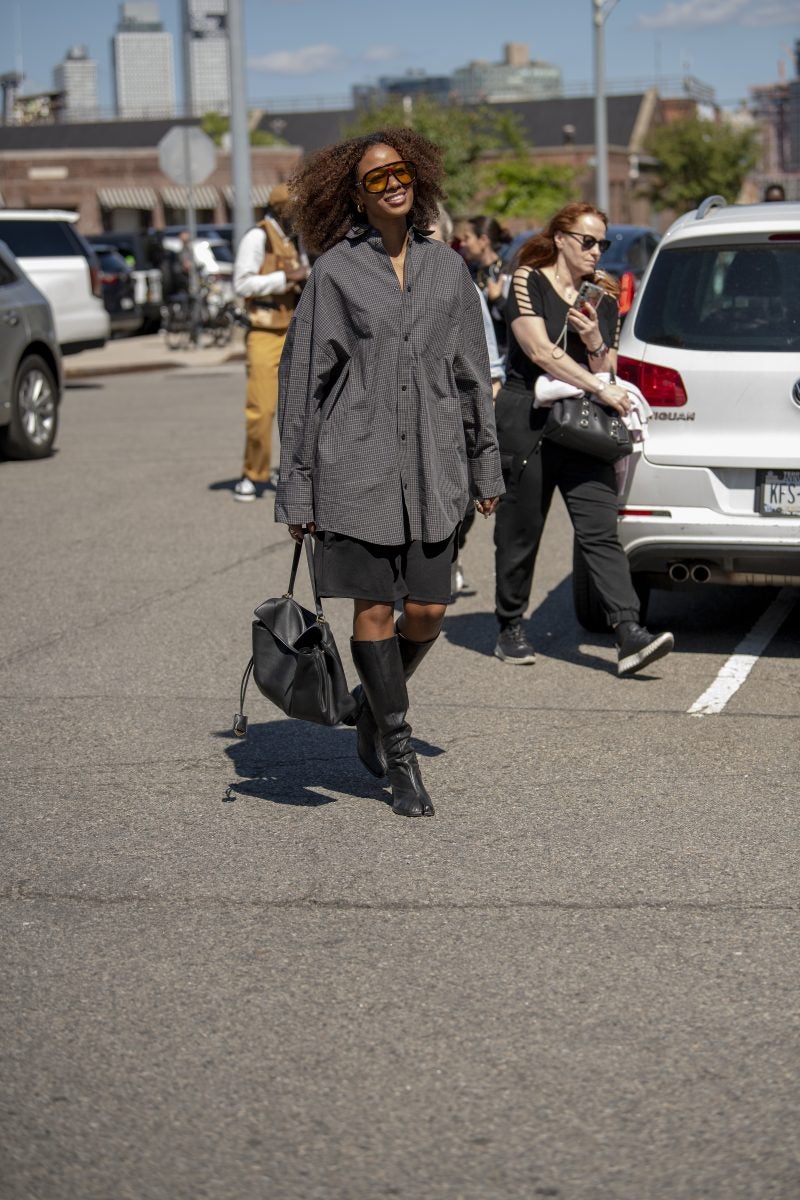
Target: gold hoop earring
point(359, 207)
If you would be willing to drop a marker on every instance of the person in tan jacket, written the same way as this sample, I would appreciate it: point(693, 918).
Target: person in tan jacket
point(267, 274)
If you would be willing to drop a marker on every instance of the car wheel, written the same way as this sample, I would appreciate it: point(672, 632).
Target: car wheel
point(585, 596)
point(34, 411)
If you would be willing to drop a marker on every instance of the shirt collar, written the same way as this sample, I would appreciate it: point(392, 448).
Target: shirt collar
point(369, 233)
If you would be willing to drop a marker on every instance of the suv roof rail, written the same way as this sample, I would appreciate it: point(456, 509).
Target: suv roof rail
point(709, 203)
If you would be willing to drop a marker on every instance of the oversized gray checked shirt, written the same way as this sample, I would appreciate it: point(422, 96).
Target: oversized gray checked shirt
point(385, 397)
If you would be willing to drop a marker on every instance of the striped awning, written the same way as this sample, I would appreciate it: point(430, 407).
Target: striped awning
point(259, 194)
point(132, 197)
point(204, 197)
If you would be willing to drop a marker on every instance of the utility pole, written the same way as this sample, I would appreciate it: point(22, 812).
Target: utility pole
point(240, 135)
point(601, 10)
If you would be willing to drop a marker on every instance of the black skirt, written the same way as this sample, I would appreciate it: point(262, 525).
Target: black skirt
point(420, 571)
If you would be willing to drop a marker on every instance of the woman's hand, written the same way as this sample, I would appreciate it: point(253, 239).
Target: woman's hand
point(614, 396)
point(494, 289)
point(584, 322)
point(487, 506)
point(297, 531)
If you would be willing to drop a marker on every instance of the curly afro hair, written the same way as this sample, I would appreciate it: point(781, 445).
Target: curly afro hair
point(322, 205)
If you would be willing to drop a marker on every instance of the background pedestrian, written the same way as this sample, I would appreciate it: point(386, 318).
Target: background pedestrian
point(267, 274)
point(442, 230)
point(480, 241)
point(550, 334)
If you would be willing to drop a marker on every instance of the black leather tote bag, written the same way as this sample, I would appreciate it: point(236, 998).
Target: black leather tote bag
point(584, 424)
point(295, 662)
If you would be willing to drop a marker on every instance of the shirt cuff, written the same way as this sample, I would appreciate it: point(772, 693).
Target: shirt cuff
point(294, 503)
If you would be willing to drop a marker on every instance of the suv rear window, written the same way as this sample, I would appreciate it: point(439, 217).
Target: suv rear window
point(40, 239)
point(723, 297)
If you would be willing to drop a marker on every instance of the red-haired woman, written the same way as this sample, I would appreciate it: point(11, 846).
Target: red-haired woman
point(386, 420)
point(548, 335)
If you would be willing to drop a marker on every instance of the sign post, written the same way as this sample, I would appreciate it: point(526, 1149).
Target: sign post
point(188, 156)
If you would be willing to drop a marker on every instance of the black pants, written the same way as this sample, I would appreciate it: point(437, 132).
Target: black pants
point(532, 470)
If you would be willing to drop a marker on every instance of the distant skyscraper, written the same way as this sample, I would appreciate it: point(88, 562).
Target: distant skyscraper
point(516, 78)
point(205, 56)
point(76, 79)
point(144, 77)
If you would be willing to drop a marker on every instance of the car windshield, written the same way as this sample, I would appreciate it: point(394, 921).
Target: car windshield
point(736, 298)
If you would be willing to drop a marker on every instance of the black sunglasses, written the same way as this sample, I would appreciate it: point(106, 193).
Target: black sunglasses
point(588, 242)
point(376, 181)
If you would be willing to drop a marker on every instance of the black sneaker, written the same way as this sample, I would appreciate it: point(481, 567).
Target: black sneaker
point(513, 646)
point(636, 646)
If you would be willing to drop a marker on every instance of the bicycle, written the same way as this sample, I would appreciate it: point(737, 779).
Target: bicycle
point(202, 320)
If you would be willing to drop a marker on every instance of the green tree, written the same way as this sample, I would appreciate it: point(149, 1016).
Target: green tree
point(467, 136)
point(517, 187)
point(216, 126)
point(698, 158)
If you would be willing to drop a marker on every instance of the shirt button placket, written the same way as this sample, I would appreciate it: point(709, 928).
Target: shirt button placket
point(403, 390)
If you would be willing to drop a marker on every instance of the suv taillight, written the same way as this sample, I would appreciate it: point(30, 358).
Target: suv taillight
point(627, 288)
point(97, 281)
point(661, 386)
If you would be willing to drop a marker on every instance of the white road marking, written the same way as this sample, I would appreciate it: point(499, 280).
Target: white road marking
point(734, 672)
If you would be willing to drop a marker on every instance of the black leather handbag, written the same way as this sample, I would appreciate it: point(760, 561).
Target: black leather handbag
point(582, 423)
point(295, 662)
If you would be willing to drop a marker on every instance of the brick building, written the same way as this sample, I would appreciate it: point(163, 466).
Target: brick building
point(108, 173)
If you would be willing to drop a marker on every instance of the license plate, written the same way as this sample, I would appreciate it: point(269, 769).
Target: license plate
point(779, 493)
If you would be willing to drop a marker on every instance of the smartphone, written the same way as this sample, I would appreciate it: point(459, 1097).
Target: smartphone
point(589, 295)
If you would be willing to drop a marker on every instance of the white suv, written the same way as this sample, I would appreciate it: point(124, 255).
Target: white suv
point(713, 342)
point(58, 261)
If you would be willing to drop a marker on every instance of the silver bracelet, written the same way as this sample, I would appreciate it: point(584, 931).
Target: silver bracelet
point(599, 352)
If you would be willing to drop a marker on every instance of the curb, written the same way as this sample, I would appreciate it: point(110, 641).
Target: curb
point(129, 368)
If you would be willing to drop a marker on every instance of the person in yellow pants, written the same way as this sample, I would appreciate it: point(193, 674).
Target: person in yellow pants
point(263, 356)
point(266, 274)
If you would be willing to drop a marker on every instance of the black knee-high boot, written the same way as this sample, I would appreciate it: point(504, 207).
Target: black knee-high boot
point(368, 741)
point(380, 669)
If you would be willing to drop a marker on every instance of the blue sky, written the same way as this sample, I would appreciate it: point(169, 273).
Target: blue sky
point(319, 48)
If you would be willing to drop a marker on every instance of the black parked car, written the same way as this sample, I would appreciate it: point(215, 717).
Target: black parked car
point(119, 292)
point(630, 251)
point(144, 255)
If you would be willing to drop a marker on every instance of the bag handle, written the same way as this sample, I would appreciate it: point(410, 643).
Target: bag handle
point(298, 546)
point(309, 545)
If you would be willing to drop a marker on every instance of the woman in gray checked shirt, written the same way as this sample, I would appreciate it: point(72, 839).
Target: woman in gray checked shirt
point(386, 419)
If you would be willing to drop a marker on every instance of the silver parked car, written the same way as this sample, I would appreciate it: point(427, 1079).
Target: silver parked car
point(30, 365)
point(713, 342)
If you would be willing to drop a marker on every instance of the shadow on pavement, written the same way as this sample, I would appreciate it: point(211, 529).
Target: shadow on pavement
point(552, 629)
point(227, 485)
point(298, 764)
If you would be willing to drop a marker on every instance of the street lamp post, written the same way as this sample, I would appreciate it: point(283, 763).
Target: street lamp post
point(601, 10)
point(240, 138)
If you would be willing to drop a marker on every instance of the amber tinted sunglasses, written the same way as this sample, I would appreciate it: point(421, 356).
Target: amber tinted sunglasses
point(376, 181)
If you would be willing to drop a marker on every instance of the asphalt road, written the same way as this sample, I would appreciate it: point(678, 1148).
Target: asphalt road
point(230, 971)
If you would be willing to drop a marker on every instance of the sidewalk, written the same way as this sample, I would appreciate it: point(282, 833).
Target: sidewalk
point(149, 353)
